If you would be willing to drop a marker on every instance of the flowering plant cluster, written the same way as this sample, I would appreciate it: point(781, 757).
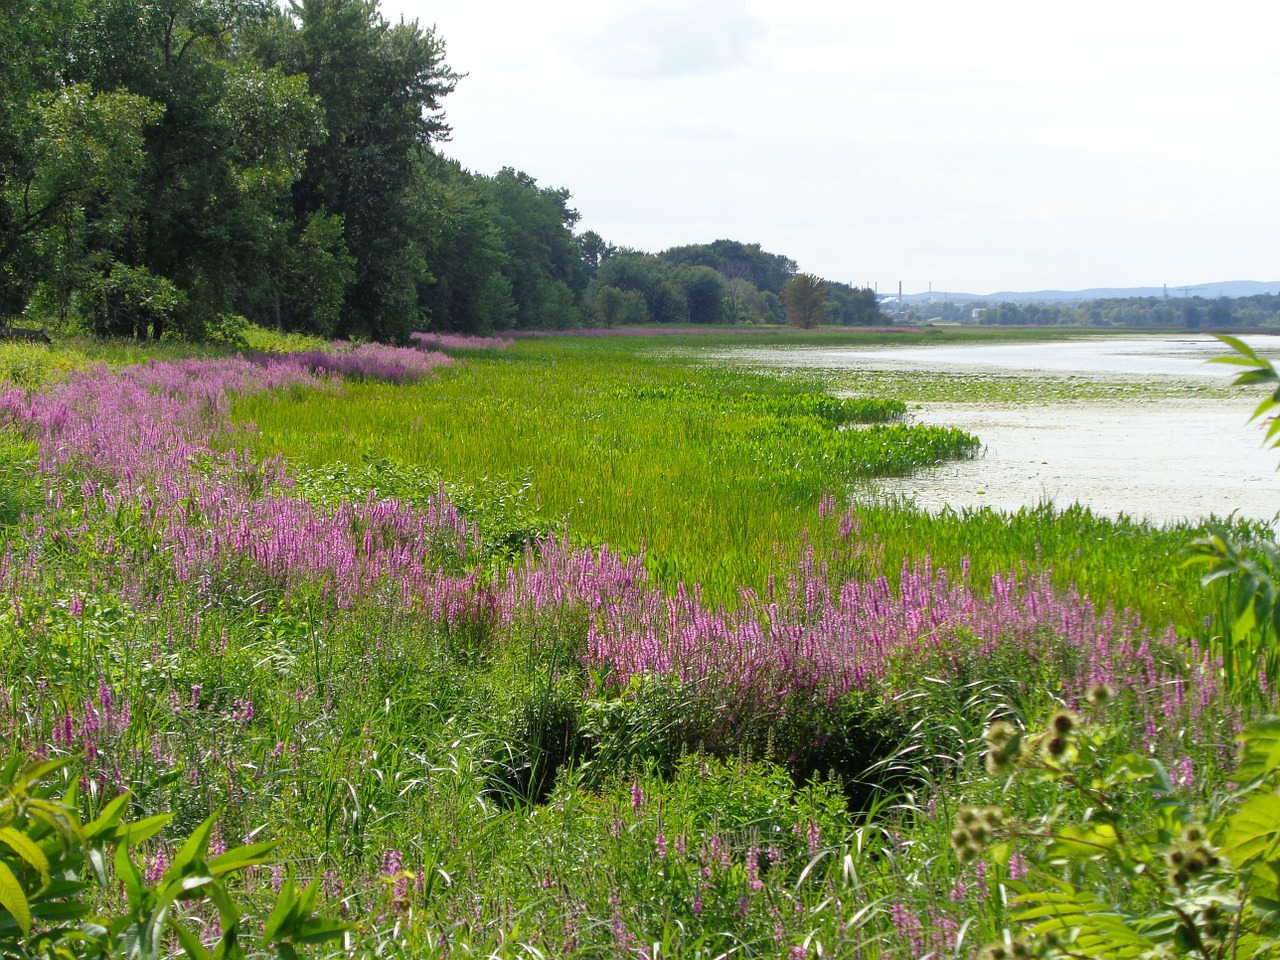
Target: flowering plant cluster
point(1113, 824)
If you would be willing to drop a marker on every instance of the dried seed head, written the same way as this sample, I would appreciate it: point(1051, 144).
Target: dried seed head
point(1100, 695)
point(998, 761)
point(1056, 746)
point(992, 816)
point(1001, 733)
point(1063, 722)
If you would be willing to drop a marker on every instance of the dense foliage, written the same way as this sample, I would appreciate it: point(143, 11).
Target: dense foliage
point(172, 167)
point(1161, 313)
point(470, 730)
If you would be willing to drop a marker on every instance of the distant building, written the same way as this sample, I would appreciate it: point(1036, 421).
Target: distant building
point(978, 311)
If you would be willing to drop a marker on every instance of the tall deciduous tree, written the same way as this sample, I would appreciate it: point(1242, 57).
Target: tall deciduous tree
point(805, 299)
point(544, 263)
point(381, 87)
point(219, 160)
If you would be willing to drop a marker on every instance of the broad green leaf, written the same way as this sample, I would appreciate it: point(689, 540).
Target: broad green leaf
point(1090, 841)
point(191, 944)
point(132, 834)
point(1261, 752)
point(1254, 829)
point(320, 930)
point(307, 899)
point(241, 858)
point(33, 774)
point(284, 914)
point(109, 817)
point(98, 860)
point(227, 912)
point(193, 848)
point(130, 876)
point(13, 899)
point(25, 848)
point(1264, 900)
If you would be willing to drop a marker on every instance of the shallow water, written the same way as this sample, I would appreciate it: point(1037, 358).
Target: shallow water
point(1183, 356)
point(1162, 460)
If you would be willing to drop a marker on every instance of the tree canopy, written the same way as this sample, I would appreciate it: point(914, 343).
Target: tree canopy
point(173, 167)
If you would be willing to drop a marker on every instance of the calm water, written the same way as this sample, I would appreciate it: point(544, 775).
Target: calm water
point(1164, 460)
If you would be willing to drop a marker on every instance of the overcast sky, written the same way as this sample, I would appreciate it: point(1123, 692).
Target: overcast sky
point(976, 146)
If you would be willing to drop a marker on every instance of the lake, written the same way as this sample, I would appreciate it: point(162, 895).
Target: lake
point(1163, 460)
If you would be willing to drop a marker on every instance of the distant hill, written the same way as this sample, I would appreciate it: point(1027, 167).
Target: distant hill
point(1228, 288)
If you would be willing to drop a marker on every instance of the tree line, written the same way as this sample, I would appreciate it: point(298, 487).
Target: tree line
point(1190, 313)
point(171, 167)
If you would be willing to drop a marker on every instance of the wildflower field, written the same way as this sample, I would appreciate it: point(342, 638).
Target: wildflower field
point(574, 647)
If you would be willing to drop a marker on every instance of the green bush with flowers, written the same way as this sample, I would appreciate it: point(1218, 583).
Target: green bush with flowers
point(1121, 865)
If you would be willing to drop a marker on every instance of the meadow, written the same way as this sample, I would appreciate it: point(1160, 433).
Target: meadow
point(579, 647)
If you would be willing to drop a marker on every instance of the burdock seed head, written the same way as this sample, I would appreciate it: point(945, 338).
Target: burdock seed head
point(1100, 695)
point(1063, 722)
point(998, 761)
point(1000, 733)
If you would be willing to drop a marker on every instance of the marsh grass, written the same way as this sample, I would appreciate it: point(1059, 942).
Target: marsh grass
point(483, 777)
point(703, 469)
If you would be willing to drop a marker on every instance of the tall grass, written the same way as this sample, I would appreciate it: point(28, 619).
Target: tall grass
point(552, 751)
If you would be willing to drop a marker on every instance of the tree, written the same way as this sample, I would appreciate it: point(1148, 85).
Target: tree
point(805, 299)
point(704, 292)
point(380, 87)
point(595, 251)
point(543, 258)
point(852, 306)
point(220, 157)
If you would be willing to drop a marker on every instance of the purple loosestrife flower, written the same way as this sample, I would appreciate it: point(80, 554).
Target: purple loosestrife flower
point(908, 926)
point(1017, 867)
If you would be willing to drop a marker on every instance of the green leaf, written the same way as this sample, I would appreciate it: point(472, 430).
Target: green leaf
point(130, 876)
point(241, 858)
point(284, 912)
point(36, 772)
point(1088, 841)
point(13, 899)
point(1253, 830)
point(193, 848)
point(109, 817)
point(191, 944)
point(132, 834)
point(1260, 756)
point(26, 848)
point(320, 930)
point(1264, 886)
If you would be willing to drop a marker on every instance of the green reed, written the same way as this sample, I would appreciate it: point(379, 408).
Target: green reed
point(704, 467)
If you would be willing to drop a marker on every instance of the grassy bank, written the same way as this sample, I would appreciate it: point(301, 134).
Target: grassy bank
point(482, 749)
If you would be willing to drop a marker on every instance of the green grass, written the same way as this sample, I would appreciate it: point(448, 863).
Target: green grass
point(709, 467)
point(374, 729)
point(704, 467)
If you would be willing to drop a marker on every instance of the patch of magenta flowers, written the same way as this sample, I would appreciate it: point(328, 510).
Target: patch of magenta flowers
point(154, 441)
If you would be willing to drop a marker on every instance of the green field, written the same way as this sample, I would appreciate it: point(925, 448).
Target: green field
point(595, 647)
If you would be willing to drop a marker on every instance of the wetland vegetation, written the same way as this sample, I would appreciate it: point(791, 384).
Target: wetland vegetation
point(579, 647)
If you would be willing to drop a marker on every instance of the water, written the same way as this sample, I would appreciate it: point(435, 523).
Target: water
point(1164, 460)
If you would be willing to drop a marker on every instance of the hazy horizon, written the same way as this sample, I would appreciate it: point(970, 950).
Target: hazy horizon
point(997, 148)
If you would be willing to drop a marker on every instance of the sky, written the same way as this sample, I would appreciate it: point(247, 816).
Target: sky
point(969, 147)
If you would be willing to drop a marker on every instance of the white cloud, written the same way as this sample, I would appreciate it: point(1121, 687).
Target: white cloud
point(666, 38)
point(983, 146)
